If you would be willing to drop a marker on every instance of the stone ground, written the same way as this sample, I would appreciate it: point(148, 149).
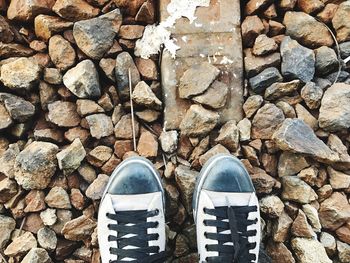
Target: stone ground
point(65, 123)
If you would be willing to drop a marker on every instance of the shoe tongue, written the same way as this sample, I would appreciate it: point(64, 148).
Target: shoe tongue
point(133, 202)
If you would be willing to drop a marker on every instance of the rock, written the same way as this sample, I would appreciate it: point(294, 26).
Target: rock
point(266, 121)
point(46, 26)
point(309, 250)
point(278, 90)
point(300, 226)
point(131, 32)
point(80, 228)
point(99, 155)
point(327, 14)
point(335, 108)
point(329, 243)
point(252, 104)
point(88, 107)
point(18, 108)
point(264, 45)
point(229, 136)
point(58, 198)
point(186, 180)
point(194, 82)
point(264, 79)
point(168, 141)
point(296, 136)
point(20, 74)
point(74, 10)
point(147, 68)
point(100, 125)
point(244, 126)
point(52, 76)
point(294, 189)
point(21, 245)
point(147, 145)
point(61, 52)
point(278, 252)
point(298, 62)
point(198, 121)
point(63, 216)
point(97, 187)
point(83, 80)
point(343, 251)
point(312, 215)
point(272, 206)
point(124, 62)
point(108, 65)
point(341, 21)
point(63, 114)
point(338, 180)
point(30, 172)
point(334, 211)
point(5, 118)
point(47, 239)
point(217, 149)
point(25, 11)
point(143, 95)
point(343, 233)
point(310, 6)
point(335, 144)
point(48, 216)
point(6, 35)
point(69, 159)
point(215, 96)
point(36, 255)
point(255, 6)
point(35, 201)
point(309, 175)
point(123, 129)
point(95, 36)
point(344, 49)
point(7, 225)
point(14, 50)
point(326, 60)
point(77, 199)
point(305, 115)
point(307, 30)
point(8, 159)
point(253, 65)
point(281, 227)
point(312, 95)
point(251, 28)
point(146, 13)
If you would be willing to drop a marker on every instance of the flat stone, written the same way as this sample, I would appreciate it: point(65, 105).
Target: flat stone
point(63, 114)
point(295, 189)
point(100, 125)
point(131, 32)
point(253, 65)
point(83, 80)
point(215, 96)
point(229, 136)
point(168, 141)
point(97, 187)
point(147, 145)
point(252, 104)
point(266, 121)
point(337, 179)
point(312, 215)
point(198, 121)
point(88, 107)
point(147, 68)
point(21, 245)
point(46, 26)
point(35, 201)
point(143, 95)
point(74, 10)
point(334, 112)
point(7, 225)
point(298, 62)
point(123, 129)
point(80, 228)
point(309, 250)
point(99, 155)
point(18, 108)
point(326, 60)
point(58, 198)
point(47, 238)
point(217, 149)
point(278, 90)
point(341, 22)
point(264, 79)
point(20, 74)
point(264, 45)
point(29, 171)
point(306, 116)
point(186, 179)
point(312, 95)
point(69, 159)
point(61, 52)
point(36, 255)
point(307, 30)
point(95, 36)
point(296, 136)
point(25, 11)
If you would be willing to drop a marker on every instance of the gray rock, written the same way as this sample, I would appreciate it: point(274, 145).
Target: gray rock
point(344, 49)
point(168, 141)
point(143, 95)
point(20, 74)
point(272, 206)
point(197, 79)
point(82, 80)
point(342, 77)
point(35, 165)
point(312, 95)
point(309, 250)
point(229, 136)
point(63, 216)
point(5, 118)
point(63, 114)
point(7, 225)
point(198, 121)
point(52, 76)
point(95, 36)
point(329, 243)
point(291, 163)
point(47, 238)
point(335, 108)
point(264, 79)
point(36, 255)
point(326, 60)
point(100, 125)
point(295, 189)
point(312, 215)
point(278, 90)
point(343, 251)
point(215, 96)
point(186, 180)
point(69, 159)
point(124, 62)
point(296, 136)
point(18, 108)
point(298, 62)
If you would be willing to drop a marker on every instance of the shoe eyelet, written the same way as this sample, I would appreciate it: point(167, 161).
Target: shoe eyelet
point(157, 211)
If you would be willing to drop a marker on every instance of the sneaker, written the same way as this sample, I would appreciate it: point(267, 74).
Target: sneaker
point(226, 212)
point(131, 223)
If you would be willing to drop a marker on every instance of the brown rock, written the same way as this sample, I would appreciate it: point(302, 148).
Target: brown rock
point(121, 147)
point(5, 118)
point(87, 107)
point(100, 125)
point(143, 95)
point(35, 201)
point(147, 68)
point(61, 52)
point(33, 223)
point(74, 10)
point(75, 133)
point(63, 114)
point(21, 245)
point(278, 90)
point(343, 233)
point(99, 155)
point(263, 183)
point(264, 45)
point(146, 13)
point(96, 189)
point(131, 32)
point(217, 149)
point(341, 22)
point(6, 34)
point(294, 189)
point(309, 250)
point(215, 96)
point(280, 228)
point(279, 252)
point(147, 145)
point(8, 189)
point(272, 206)
point(14, 50)
point(58, 198)
point(123, 129)
point(304, 115)
point(300, 226)
point(252, 104)
point(108, 65)
point(229, 136)
point(110, 165)
point(287, 4)
point(26, 10)
point(186, 180)
point(79, 228)
point(254, 65)
point(310, 6)
point(254, 6)
point(337, 179)
point(251, 28)
point(46, 26)
point(327, 14)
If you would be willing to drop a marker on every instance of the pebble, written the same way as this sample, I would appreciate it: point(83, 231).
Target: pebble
point(100, 125)
point(58, 198)
point(61, 52)
point(267, 77)
point(69, 159)
point(309, 250)
point(48, 216)
point(294, 189)
point(229, 136)
point(97, 187)
point(168, 141)
point(63, 114)
point(37, 255)
point(21, 245)
point(143, 95)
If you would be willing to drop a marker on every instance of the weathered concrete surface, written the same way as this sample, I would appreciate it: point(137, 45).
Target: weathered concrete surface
point(215, 37)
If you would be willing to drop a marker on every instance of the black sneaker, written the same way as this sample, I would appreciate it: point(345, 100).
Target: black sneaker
point(226, 212)
point(131, 224)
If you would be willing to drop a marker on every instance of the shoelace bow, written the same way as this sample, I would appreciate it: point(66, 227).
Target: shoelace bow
point(237, 225)
point(134, 222)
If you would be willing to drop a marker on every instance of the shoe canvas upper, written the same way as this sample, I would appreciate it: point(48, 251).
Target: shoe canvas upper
point(114, 203)
point(210, 199)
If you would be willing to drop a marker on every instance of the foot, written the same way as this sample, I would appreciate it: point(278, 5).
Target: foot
point(131, 224)
point(226, 212)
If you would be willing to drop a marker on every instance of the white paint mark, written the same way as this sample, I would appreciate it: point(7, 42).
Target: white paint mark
point(226, 60)
point(184, 39)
